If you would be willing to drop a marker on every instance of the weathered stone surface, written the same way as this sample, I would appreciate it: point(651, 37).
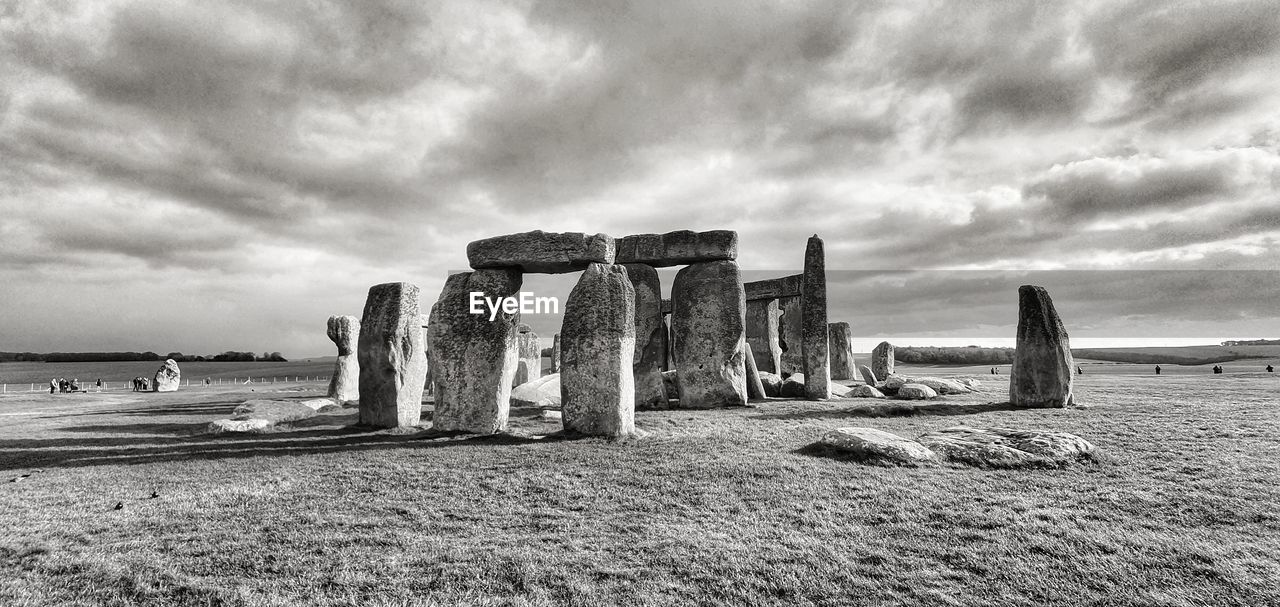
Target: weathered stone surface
point(755, 388)
point(555, 353)
point(543, 392)
point(345, 333)
point(1002, 447)
point(651, 332)
point(792, 386)
point(316, 404)
point(841, 350)
point(670, 384)
point(772, 383)
point(473, 359)
point(528, 355)
point(598, 341)
point(670, 347)
point(916, 392)
point(970, 383)
point(882, 360)
point(791, 357)
point(878, 446)
point(1043, 372)
point(678, 248)
point(392, 357)
point(167, 377)
point(762, 334)
point(666, 306)
point(868, 376)
point(814, 340)
point(541, 252)
point(773, 288)
point(839, 390)
point(937, 384)
point(863, 391)
point(708, 324)
point(252, 426)
point(274, 411)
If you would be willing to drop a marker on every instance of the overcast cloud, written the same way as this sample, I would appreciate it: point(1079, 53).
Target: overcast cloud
point(203, 176)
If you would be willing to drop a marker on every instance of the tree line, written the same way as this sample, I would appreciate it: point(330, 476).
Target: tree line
point(968, 355)
point(100, 357)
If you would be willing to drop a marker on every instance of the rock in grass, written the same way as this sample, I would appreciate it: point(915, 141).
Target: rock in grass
point(868, 377)
point(916, 392)
point(942, 386)
point(792, 386)
point(167, 377)
point(863, 391)
point(240, 425)
point(772, 383)
point(274, 411)
point(1006, 448)
point(878, 446)
point(543, 392)
point(839, 390)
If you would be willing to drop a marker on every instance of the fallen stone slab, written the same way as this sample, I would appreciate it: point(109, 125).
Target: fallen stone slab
point(316, 404)
point(1007, 448)
point(275, 411)
point(838, 390)
point(772, 383)
point(942, 386)
point(863, 391)
point(878, 446)
point(916, 392)
point(868, 377)
point(678, 248)
point(252, 426)
point(542, 252)
point(543, 392)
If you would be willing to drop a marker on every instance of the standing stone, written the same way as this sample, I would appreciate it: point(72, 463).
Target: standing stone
point(882, 360)
point(555, 353)
point(762, 334)
point(528, 356)
point(393, 363)
point(345, 333)
point(650, 334)
point(755, 387)
point(1043, 369)
point(473, 358)
point(671, 348)
point(167, 377)
point(791, 355)
point(597, 391)
point(708, 323)
point(842, 366)
point(868, 375)
point(814, 339)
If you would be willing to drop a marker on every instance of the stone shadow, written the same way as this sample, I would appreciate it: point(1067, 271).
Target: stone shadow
point(894, 409)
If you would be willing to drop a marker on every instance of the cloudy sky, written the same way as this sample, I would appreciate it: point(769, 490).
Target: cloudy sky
point(202, 177)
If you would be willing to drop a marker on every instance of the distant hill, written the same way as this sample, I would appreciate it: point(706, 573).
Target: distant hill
point(1173, 355)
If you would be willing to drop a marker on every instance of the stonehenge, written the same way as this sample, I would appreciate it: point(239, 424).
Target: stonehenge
point(882, 360)
point(1043, 371)
point(541, 252)
point(842, 364)
point(167, 377)
point(344, 331)
point(762, 333)
point(473, 359)
point(528, 356)
point(678, 248)
point(391, 357)
point(708, 312)
point(598, 343)
point(650, 354)
point(755, 387)
point(790, 332)
point(814, 340)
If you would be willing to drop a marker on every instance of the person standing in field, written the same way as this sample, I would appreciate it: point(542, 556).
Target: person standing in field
point(1271, 369)
point(53, 386)
point(1157, 369)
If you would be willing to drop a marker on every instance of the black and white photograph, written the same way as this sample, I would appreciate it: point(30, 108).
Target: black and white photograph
point(542, 303)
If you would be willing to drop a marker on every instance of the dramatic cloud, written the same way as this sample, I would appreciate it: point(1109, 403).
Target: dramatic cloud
point(202, 177)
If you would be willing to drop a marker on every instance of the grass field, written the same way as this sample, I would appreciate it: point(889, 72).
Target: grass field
point(20, 375)
point(713, 507)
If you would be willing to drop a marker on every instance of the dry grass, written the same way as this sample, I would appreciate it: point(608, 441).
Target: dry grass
point(714, 507)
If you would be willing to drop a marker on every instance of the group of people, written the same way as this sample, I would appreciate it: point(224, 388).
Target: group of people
point(141, 384)
point(63, 386)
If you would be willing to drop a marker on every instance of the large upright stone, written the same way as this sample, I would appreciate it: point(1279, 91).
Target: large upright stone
point(555, 353)
point(528, 356)
point(1043, 370)
point(345, 383)
point(167, 377)
point(393, 362)
point(814, 340)
point(841, 352)
point(541, 252)
point(678, 248)
point(473, 358)
point(708, 324)
point(650, 352)
point(755, 386)
point(790, 332)
point(882, 360)
point(598, 342)
point(762, 334)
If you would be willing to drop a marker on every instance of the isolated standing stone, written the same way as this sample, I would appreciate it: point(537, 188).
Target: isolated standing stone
point(528, 356)
point(651, 333)
point(841, 350)
point(598, 342)
point(755, 387)
point(345, 333)
point(393, 361)
point(882, 360)
point(678, 248)
point(762, 334)
point(868, 376)
point(1043, 370)
point(541, 252)
point(814, 339)
point(473, 358)
point(167, 377)
point(790, 332)
point(708, 321)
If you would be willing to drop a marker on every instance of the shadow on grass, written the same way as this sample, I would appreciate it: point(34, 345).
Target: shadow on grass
point(894, 409)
